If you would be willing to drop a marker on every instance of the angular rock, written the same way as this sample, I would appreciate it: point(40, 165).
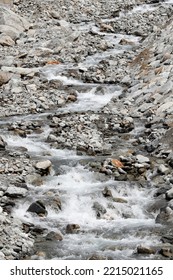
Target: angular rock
point(4, 77)
point(6, 40)
point(8, 17)
point(99, 209)
point(165, 216)
point(2, 144)
point(52, 236)
point(72, 228)
point(163, 169)
point(43, 167)
point(38, 208)
point(10, 31)
point(106, 192)
point(16, 192)
point(162, 190)
point(169, 194)
point(145, 250)
point(167, 252)
point(167, 239)
point(142, 159)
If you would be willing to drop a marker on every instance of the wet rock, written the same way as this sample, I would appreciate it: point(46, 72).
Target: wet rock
point(119, 200)
point(167, 252)
point(72, 228)
point(126, 42)
point(52, 199)
point(96, 257)
point(99, 209)
point(52, 236)
point(167, 239)
point(169, 194)
point(20, 132)
point(106, 192)
point(38, 208)
point(44, 167)
point(162, 190)
point(145, 250)
point(34, 179)
point(165, 216)
point(159, 203)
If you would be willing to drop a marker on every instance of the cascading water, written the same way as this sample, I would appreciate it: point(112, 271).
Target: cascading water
point(109, 226)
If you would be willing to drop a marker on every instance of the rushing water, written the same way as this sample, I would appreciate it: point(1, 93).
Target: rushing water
point(123, 226)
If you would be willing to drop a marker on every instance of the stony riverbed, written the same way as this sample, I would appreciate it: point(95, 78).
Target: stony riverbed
point(86, 125)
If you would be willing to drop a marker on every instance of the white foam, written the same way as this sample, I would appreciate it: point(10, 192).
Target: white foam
point(91, 100)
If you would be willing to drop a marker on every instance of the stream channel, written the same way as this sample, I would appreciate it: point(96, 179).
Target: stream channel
point(120, 227)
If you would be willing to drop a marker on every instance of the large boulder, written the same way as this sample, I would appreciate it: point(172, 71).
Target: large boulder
point(12, 24)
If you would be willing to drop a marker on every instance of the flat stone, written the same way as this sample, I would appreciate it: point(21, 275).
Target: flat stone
point(16, 192)
point(164, 107)
point(119, 200)
point(21, 70)
point(43, 165)
point(145, 250)
point(142, 159)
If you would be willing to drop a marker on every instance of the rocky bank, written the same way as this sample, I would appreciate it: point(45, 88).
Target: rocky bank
point(55, 58)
